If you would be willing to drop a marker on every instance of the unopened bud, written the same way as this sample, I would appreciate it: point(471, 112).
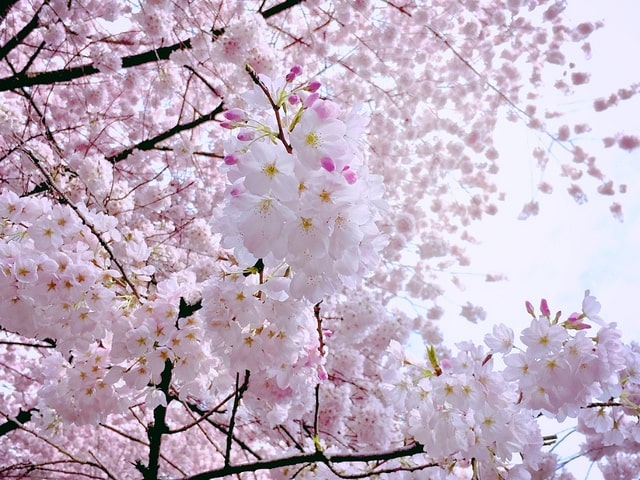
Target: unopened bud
point(313, 86)
point(544, 308)
point(245, 135)
point(328, 164)
point(529, 308)
point(235, 114)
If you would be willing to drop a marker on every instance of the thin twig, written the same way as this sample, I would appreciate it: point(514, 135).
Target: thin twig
point(276, 109)
point(240, 389)
point(27, 344)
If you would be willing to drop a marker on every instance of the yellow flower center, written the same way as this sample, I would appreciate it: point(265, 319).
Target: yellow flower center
point(270, 170)
point(307, 223)
point(312, 139)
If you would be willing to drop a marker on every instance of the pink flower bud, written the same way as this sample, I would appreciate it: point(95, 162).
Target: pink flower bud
point(296, 70)
point(349, 175)
point(544, 308)
point(328, 164)
point(576, 322)
point(313, 86)
point(245, 135)
point(293, 99)
point(290, 77)
point(237, 190)
point(235, 114)
point(230, 159)
point(228, 125)
point(573, 317)
point(529, 308)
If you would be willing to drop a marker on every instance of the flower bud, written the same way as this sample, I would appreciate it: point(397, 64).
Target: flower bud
point(314, 86)
point(328, 164)
point(349, 175)
point(530, 309)
point(235, 115)
point(544, 308)
point(230, 159)
point(245, 135)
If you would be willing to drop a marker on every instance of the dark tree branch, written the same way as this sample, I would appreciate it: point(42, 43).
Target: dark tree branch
point(26, 79)
point(5, 7)
point(203, 80)
point(185, 309)
point(150, 143)
point(379, 471)
point(23, 417)
point(54, 469)
point(280, 7)
point(610, 403)
point(240, 389)
point(48, 134)
point(158, 428)
point(276, 108)
point(199, 152)
point(315, 457)
point(21, 35)
point(28, 344)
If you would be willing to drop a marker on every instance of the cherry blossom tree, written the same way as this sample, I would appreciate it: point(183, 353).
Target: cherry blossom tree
point(207, 209)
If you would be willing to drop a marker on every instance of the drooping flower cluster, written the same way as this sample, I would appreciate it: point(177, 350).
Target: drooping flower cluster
point(302, 201)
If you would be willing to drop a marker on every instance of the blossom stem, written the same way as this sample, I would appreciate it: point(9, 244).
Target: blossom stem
point(240, 389)
point(276, 108)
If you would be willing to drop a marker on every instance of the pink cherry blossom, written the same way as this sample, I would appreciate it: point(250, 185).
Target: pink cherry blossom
point(222, 224)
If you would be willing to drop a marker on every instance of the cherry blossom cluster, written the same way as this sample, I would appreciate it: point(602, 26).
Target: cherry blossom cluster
point(276, 340)
point(154, 263)
point(466, 411)
point(57, 281)
point(301, 200)
point(562, 368)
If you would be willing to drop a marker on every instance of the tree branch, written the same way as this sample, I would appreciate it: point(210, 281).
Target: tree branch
point(221, 428)
point(158, 428)
point(280, 7)
point(26, 79)
point(4, 9)
point(28, 344)
point(315, 457)
point(240, 389)
point(150, 143)
point(21, 35)
point(23, 417)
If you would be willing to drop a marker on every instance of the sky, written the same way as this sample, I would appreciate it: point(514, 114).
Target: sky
point(567, 248)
